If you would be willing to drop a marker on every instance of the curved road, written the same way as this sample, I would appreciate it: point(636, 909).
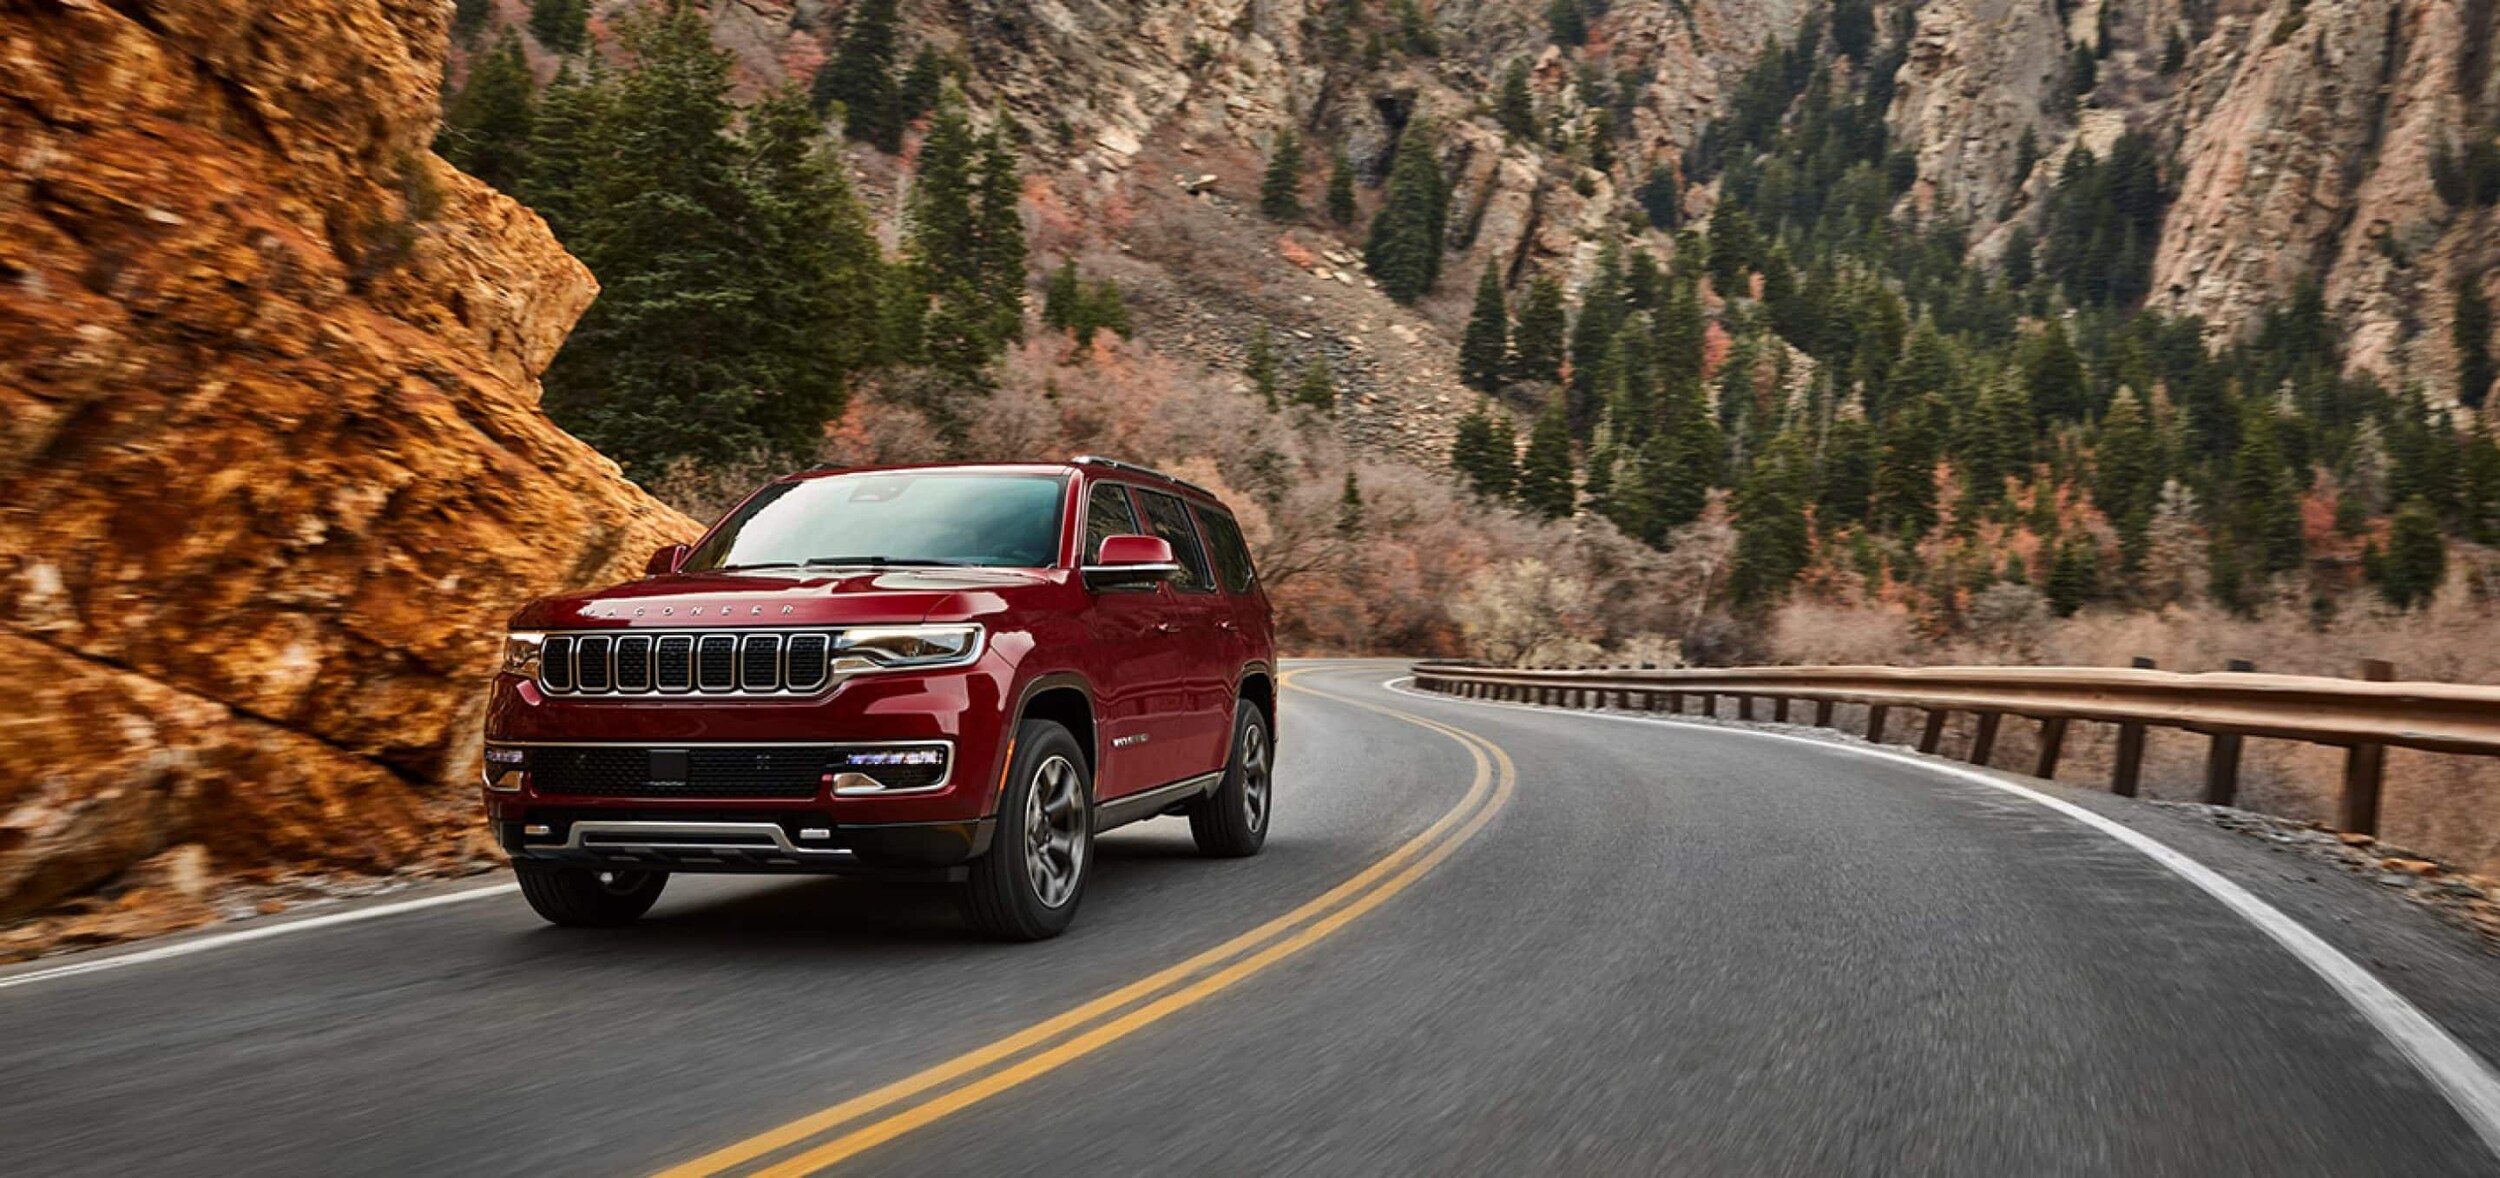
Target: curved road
point(1481, 940)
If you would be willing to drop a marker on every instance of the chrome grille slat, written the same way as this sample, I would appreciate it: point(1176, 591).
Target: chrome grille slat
point(633, 663)
point(673, 663)
point(555, 663)
point(716, 662)
point(759, 663)
point(775, 663)
point(592, 671)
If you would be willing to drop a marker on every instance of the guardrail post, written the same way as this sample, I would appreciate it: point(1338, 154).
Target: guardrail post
point(2364, 765)
point(1710, 704)
point(1876, 714)
point(1675, 703)
point(1822, 713)
point(1779, 708)
point(2129, 769)
point(2222, 762)
point(2052, 742)
point(1933, 734)
point(1744, 707)
point(1983, 743)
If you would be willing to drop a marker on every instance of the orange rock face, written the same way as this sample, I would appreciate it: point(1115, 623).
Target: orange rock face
point(272, 468)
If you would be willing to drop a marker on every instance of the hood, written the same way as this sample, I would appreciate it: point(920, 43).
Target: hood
point(700, 601)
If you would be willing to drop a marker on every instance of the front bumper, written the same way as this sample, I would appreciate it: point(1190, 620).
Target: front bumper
point(783, 843)
point(739, 751)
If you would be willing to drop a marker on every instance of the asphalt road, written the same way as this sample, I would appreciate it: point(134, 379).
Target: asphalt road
point(1482, 940)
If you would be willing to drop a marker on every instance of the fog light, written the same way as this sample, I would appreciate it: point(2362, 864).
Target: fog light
point(815, 832)
point(536, 829)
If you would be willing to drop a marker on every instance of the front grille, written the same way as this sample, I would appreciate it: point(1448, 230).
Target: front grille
point(770, 662)
point(721, 771)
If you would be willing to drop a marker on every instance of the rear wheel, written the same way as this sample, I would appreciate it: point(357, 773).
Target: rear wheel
point(587, 898)
point(1231, 823)
point(1027, 887)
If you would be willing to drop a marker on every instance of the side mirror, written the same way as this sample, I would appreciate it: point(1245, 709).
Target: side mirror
point(1131, 562)
point(664, 561)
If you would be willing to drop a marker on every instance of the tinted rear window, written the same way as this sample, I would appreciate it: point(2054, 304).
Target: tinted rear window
point(1167, 518)
point(1232, 557)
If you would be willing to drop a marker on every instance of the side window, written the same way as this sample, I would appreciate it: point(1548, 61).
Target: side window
point(1232, 557)
point(1168, 518)
point(1107, 514)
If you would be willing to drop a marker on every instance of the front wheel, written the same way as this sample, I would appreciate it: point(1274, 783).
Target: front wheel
point(1231, 823)
point(586, 898)
point(1027, 887)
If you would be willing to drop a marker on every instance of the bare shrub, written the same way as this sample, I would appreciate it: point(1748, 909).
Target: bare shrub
point(1523, 613)
point(1817, 632)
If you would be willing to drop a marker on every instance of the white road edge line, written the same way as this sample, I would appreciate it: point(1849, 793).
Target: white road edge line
point(241, 936)
point(2463, 1077)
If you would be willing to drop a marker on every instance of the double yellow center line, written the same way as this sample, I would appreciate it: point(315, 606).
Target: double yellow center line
point(843, 1131)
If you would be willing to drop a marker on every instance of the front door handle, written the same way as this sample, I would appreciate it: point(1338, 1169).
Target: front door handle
point(1227, 624)
point(1166, 627)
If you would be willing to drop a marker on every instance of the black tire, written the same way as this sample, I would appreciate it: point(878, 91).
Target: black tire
point(1231, 823)
point(1027, 887)
point(582, 897)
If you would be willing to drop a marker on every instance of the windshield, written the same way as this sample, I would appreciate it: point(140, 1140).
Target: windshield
point(899, 518)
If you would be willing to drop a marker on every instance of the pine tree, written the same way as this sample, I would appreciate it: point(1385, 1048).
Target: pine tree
point(1341, 189)
point(1484, 352)
point(672, 358)
point(2471, 333)
point(1905, 477)
point(2074, 576)
point(860, 76)
point(1773, 541)
point(1280, 190)
point(818, 261)
point(1846, 486)
point(938, 243)
point(1545, 485)
point(1415, 34)
point(1260, 366)
point(567, 147)
point(1350, 509)
point(2053, 373)
point(1470, 448)
point(486, 127)
point(560, 25)
point(2416, 560)
point(998, 228)
point(469, 18)
point(1734, 250)
point(1404, 248)
point(1063, 298)
point(1501, 458)
point(2127, 473)
point(1515, 109)
point(1104, 309)
point(1565, 23)
point(922, 85)
point(2265, 497)
point(1317, 389)
point(1537, 352)
point(2479, 501)
point(1603, 306)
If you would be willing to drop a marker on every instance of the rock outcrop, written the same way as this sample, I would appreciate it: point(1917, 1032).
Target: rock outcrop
point(272, 468)
point(2305, 137)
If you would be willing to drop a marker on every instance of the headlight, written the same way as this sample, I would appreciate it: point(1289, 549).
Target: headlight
point(520, 653)
point(882, 648)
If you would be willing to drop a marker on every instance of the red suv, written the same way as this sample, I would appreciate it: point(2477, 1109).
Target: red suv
point(953, 672)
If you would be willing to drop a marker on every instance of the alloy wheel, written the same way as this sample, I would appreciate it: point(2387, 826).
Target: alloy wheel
point(1255, 776)
point(1054, 832)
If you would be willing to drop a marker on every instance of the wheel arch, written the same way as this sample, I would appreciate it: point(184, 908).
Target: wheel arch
point(1066, 699)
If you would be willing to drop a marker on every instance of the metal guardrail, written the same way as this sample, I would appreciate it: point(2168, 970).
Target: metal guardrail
point(2364, 715)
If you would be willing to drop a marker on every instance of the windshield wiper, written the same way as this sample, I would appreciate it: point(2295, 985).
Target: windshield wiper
point(761, 564)
point(885, 562)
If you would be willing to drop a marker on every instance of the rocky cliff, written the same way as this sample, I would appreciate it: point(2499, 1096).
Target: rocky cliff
point(271, 464)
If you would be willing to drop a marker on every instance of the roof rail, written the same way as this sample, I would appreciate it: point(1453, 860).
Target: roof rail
point(1133, 468)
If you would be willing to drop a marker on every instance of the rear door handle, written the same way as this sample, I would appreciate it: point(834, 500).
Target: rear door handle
point(1166, 627)
point(1227, 624)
